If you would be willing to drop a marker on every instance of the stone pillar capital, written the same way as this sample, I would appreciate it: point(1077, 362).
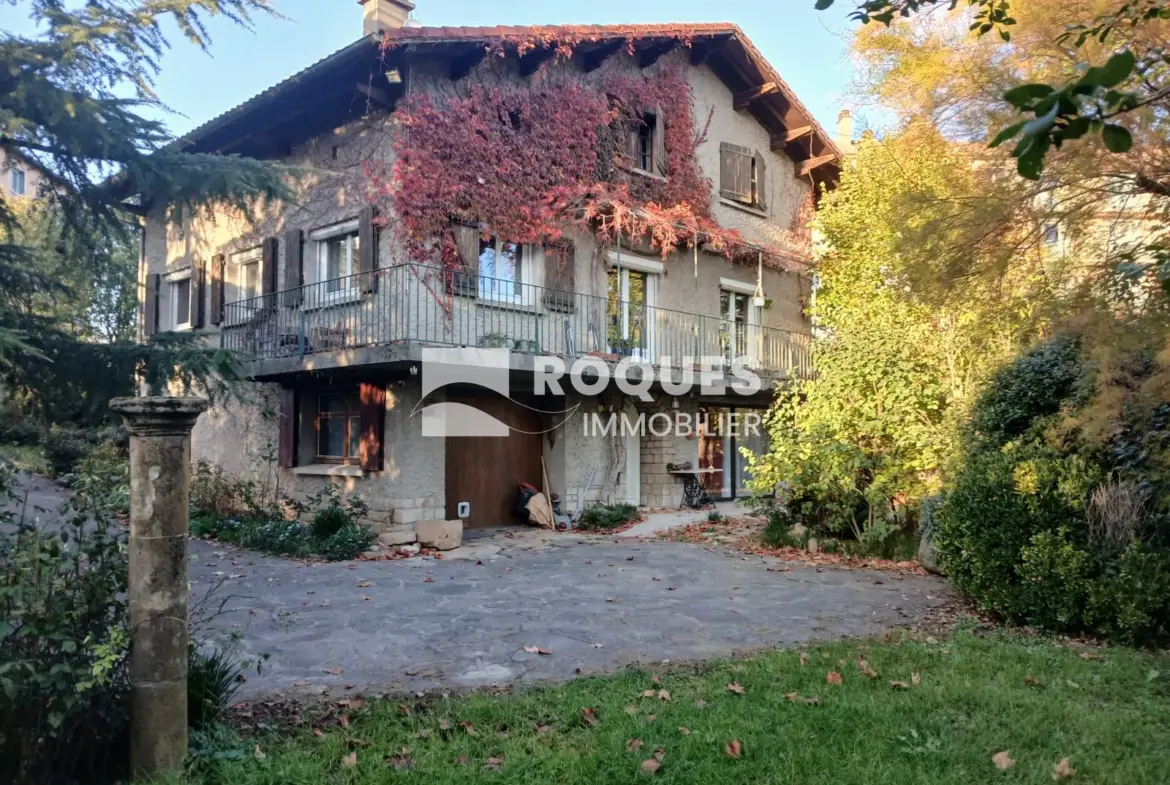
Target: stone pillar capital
point(159, 415)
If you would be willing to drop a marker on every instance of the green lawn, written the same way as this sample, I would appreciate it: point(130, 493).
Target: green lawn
point(1108, 711)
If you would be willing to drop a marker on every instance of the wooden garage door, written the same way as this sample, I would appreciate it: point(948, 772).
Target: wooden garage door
point(486, 470)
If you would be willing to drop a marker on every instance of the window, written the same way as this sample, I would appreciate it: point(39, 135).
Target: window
point(181, 303)
point(246, 269)
point(1051, 234)
point(734, 308)
point(338, 427)
point(644, 159)
point(742, 175)
point(500, 266)
point(16, 181)
point(626, 309)
point(337, 260)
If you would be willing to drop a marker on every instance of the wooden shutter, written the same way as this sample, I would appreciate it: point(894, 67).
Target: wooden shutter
point(195, 294)
point(294, 271)
point(735, 172)
point(467, 244)
point(367, 248)
point(217, 270)
point(150, 306)
point(560, 259)
point(660, 162)
point(761, 179)
point(286, 424)
point(373, 425)
point(268, 280)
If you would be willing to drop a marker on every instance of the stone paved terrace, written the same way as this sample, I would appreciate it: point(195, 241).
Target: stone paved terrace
point(423, 624)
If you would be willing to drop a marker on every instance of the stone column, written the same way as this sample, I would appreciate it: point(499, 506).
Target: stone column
point(160, 466)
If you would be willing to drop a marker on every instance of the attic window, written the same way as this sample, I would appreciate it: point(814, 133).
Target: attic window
point(646, 145)
point(644, 159)
point(743, 175)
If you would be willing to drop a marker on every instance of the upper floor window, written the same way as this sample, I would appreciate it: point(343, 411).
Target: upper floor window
point(1051, 234)
point(338, 247)
point(743, 175)
point(646, 145)
point(180, 297)
point(16, 182)
point(246, 271)
point(500, 268)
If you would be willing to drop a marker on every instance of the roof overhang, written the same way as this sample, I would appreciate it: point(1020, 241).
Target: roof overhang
point(350, 82)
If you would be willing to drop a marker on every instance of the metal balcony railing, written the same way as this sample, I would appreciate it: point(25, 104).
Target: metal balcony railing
point(438, 307)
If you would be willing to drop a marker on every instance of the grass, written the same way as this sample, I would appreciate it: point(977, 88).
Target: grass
point(26, 457)
point(978, 695)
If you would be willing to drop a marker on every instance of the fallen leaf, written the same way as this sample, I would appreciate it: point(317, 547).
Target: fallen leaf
point(258, 753)
point(656, 680)
point(334, 671)
point(1032, 681)
point(736, 688)
point(684, 730)
point(633, 744)
point(350, 760)
point(792, 697)
point(663, 695)
point(1062, 770)
point(363, 584)
point(344, 720)
point(734, 748)
point(493, 764)
point(467, 726)
point(589, 717)
point(700, 704)
point(650, 766)
point(403, 709)
point(444, 725)
point(422, 734)
point(651, 717)
point(536, 650)
point(402, 761)
point(833, 677)
point(899, 685)
point(599, 645)
point(631, 709)
point(543, 728)
point(915, 678)
point(659, 753)
point(318, 733)
point(1002, 760)
point(648, 693)
point(812, 701)
point(428, 579)
point(461, 760)
point(803, 658)
point(1089, 655)
point(865, 669)
point(611, 599)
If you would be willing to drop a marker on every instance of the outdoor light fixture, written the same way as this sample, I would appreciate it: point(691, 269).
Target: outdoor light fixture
point(758, 298)
point(394, 76)
point(414, 370)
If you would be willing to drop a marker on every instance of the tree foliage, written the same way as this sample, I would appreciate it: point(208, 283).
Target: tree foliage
point(899, 362)
point(76, 101)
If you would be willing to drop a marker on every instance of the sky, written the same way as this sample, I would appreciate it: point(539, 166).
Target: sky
point(807, 47)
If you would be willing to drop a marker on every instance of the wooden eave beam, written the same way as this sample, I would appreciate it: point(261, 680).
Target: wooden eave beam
point(780, 141)
point(531, 62)
point(593, 58)
point(464, 63)
point(806, 166)
point(651, 54)
point(701, 50)
point(377, 95)
point(744, 98)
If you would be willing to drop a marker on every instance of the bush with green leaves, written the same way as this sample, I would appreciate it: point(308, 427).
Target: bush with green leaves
point(604, 517)
point(17, 427)
point(1046, 526)
point(64, 448)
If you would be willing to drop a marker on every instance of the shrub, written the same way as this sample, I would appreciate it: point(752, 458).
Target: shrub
point(102, 479)
point(603, 517)
point(329, 520)
point(213, 679)
point(64, 448)
point(214, 492)
point(16, 427)
point(1131, 601)
point(348, 542)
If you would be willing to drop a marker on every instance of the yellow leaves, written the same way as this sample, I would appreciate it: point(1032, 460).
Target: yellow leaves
point(1063, 770)
point(350, 760)
point(865, 669)
point(736, 688)
point(1002, 760)
point(633, 745)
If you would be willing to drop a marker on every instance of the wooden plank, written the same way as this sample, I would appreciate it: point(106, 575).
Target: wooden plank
point(294, 271)
point(744, 98)
point(593, 58)
point(286, 428)
point(779, 141)
point(807, 165)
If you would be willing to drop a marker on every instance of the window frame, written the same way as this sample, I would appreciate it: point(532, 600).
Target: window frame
point(174, 281)
point(485, 290)
point(752, 197)
point(12, 176)
point(353, 408)
point(318, 293)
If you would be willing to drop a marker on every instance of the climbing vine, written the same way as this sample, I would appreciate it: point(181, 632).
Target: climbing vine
point(532, 161)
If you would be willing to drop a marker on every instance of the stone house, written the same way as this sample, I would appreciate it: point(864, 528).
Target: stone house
point(333, 314)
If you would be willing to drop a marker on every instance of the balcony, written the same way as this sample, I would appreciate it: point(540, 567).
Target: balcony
point(412, 305)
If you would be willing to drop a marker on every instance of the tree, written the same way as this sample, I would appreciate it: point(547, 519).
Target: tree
point(73, 104)
point(1131, 83)
point(900, 362)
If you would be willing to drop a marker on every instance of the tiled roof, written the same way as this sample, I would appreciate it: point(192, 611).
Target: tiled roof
point(537, 33)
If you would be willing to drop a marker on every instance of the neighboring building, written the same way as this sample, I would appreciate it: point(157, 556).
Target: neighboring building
point(18, 179)
point(333, 315)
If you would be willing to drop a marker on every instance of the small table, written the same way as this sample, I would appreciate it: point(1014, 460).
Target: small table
point(694, 494)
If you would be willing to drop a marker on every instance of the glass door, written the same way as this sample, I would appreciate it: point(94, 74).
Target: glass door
point(722, 433)
point(626, 311)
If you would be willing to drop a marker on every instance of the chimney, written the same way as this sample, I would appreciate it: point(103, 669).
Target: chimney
point(381, 15)
point(845, 130)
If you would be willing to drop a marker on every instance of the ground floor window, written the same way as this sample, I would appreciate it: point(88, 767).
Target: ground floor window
point(338, 427)
point(723, 431)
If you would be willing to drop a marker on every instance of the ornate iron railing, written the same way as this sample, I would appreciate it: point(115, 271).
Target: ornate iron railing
point(433, 306)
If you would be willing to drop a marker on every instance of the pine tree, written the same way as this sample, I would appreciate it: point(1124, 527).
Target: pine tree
point(74, 100)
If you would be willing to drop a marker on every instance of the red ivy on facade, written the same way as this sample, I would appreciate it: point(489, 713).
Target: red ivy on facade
point(531, 161)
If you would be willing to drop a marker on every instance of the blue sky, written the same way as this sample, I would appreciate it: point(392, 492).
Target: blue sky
point(807, 47)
